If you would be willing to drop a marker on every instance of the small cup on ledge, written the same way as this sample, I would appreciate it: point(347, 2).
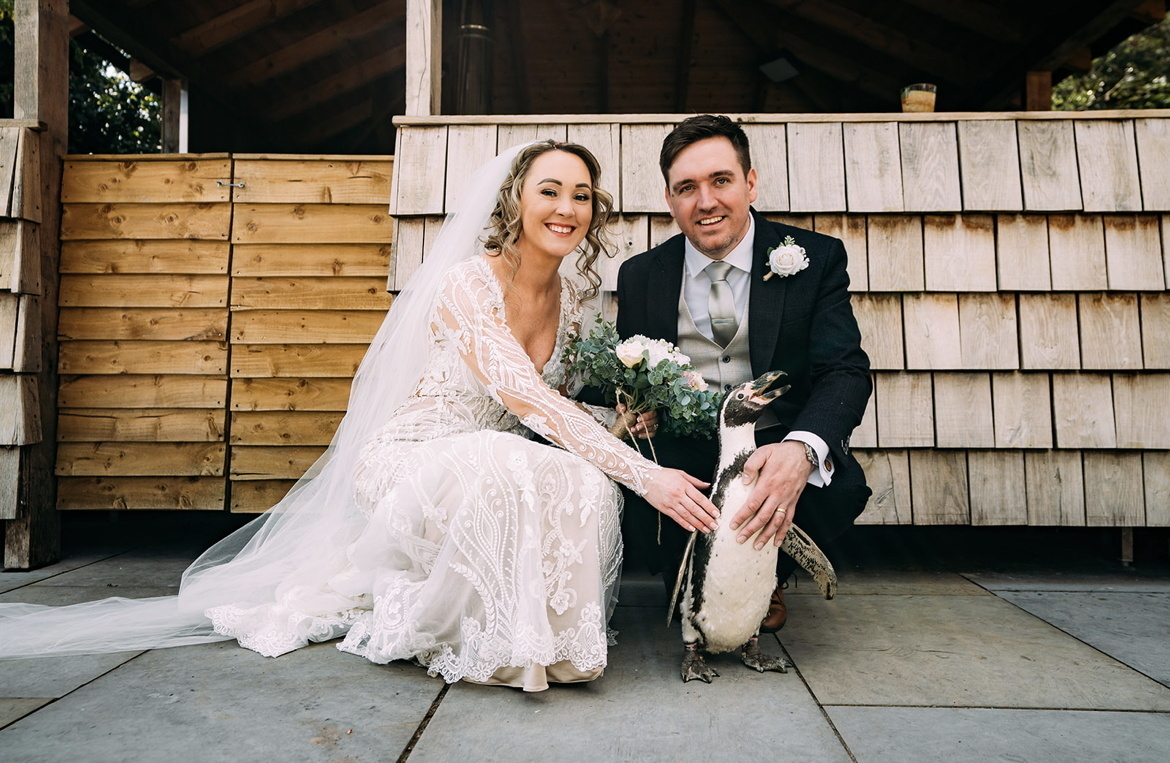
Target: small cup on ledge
point(918, 98)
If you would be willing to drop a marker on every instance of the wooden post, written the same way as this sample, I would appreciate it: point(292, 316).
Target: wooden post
point(424, 56)
point(1038, 91)
point(174, 116)
point(42, 93)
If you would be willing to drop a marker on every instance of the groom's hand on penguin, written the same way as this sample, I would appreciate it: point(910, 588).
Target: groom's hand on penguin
point(779, 473)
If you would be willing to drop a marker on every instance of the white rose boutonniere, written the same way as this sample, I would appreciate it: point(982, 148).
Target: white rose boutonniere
point(786, 259)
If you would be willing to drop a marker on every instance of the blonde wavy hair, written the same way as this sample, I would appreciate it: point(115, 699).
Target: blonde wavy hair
point(504, 226)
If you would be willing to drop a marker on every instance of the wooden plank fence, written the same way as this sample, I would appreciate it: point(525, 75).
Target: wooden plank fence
point(212, 311)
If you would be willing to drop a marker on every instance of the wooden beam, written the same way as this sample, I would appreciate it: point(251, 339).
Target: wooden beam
point(424, 55)
point(245, 19)
point(991, 20)
point(1038, 91)
point(41, 92)
point(344, 81)
point(682, 70)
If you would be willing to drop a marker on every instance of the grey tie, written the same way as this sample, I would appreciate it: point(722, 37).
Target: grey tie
point(721, 304)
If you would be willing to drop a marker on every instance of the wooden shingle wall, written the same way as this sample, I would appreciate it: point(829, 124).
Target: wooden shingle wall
point(20, 283)
point(1009, 273)
point(211, 306)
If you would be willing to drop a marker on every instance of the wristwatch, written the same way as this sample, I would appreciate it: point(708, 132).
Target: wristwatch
point(811, 455)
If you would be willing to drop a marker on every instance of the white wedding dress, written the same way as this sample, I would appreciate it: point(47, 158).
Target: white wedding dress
point(487, 556)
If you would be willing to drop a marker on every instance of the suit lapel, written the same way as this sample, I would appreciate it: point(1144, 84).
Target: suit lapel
point(765, 300)
point(665, 288)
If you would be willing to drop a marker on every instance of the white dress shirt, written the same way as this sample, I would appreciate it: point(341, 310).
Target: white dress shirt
point(697, 291)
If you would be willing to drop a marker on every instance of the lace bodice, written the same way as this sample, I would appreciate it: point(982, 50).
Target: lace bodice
point(477, 377)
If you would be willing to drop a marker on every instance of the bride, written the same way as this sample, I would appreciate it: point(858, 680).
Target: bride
point(435, 528)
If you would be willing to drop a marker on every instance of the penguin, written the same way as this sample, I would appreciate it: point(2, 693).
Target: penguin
point(729, 584)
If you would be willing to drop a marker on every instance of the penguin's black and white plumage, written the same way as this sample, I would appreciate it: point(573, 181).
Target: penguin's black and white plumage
point(729, 584)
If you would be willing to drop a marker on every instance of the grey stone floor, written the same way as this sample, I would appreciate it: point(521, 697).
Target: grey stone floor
point(953, 644)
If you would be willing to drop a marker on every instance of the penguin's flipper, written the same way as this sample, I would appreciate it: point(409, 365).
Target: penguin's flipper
point(683, 567)
point(802, 549)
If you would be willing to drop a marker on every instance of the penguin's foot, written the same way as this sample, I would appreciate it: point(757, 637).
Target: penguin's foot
point(693, 666)
point(752, 657)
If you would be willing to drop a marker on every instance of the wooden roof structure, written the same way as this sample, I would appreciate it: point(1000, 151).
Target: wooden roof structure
point(329, 75)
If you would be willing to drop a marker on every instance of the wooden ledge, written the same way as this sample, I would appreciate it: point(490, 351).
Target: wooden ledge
point(938, 116)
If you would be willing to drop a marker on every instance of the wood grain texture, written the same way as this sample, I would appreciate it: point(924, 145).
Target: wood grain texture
point(1155, 319)
point(162, 290)
point(291, 394)
point(310, 223)
point(330, 181)
point(20, 412)
point(1114, 496)
point(816, 167)
point(140, 425)
point(283, 427)
point(1022, 404)
point(988, 331)
point(769, 144)
point(142, 357)
point(989, 164)
point(253, 497)
point(140, 459)
point(905, 410)
point(266, 462)
point(155, 391)
point(9, 481)
point(27, 201)
point(642, 184)
point(959, 252)
point(1156, 476)
point(865, 435)
point(145, 256)
point(1152, 137)
point(1110, 332)
point(930, 167)
point(305, 326)
point(879, 316)
point(148, 181)
point(20, 256)
point(145, 221)
point(1076, 246)
point(1048, 166)
point(1107, 156)
point(630, 235)
point(1021, 253)
point(508, 136)
point(894, 248)
point(1082, 406)
point(888, 474)
point(1133, 253)
point(873, 167)
point(142, 323)
point(1049, 339)
point(409, 243)
point(962, 411)
point(296, 360)
point(9, 309)
point(1141, 411)
point(469, 147)
point(312, 259)
point(939, 487)
point(1055, 488)
point(998, 488)
point(416, 188)
point(338, 293)
point(105, 493)
point(851, 229)
point(932, 332)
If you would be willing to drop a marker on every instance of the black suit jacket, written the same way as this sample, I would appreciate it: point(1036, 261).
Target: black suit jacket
point(802, 324)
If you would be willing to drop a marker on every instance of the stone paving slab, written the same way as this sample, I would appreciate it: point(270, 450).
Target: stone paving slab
point(953, 651)
point(884, 581)
point(55, 676)
point(14, 709)
point(929, 735)
point(161, 567)
point(639, 710)
point(1131, 627)
point(59, 595)
point(221, 702)
point(1137, 581)
point(12, 579)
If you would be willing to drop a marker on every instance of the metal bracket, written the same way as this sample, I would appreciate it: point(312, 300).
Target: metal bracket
point(233, 185)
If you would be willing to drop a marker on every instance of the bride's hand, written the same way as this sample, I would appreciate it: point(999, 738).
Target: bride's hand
point(677, 495)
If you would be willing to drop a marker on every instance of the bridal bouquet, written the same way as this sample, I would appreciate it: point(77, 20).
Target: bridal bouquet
point(644, 375)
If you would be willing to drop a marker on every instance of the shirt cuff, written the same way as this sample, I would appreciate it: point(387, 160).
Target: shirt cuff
point(823, 474)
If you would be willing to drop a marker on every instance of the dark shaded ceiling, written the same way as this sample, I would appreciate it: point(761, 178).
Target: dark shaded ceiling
point(327, 76)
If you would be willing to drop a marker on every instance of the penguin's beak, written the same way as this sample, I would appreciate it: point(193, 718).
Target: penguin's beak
point(766, 388)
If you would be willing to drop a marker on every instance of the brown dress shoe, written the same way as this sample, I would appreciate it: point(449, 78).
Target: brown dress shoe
point(777, 613)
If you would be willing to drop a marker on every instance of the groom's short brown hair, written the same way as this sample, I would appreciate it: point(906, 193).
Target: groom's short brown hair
point(701, 127)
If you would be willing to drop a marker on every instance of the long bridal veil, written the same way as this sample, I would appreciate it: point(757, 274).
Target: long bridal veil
point(303, 538)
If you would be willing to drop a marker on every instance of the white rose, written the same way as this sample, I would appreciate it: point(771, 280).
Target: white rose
point(786, 260)
point(631, 351)
point(658, 351)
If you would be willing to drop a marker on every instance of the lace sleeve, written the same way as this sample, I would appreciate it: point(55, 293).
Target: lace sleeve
point(471, 313)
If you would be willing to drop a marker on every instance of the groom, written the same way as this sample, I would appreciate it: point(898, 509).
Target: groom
point(705, 290)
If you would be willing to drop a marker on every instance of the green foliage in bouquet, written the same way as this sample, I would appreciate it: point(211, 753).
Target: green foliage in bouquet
point(644, 375)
